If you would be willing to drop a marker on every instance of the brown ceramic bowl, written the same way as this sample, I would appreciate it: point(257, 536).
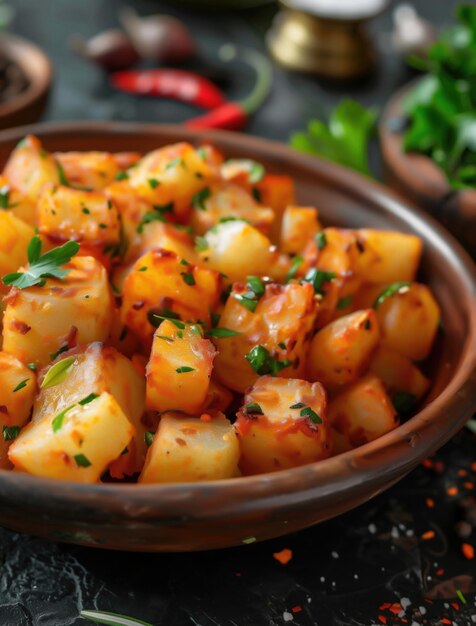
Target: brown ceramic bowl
point(28, 106)
point(183, 517)
point(418, 178)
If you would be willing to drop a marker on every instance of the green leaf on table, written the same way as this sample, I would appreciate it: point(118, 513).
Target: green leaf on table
point(344, 140)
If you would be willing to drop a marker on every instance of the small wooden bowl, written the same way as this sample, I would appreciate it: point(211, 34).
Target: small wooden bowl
point(416, 177)
point(29, 105)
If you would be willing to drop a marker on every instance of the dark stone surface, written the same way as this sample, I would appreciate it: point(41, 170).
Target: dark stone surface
point(346, 572)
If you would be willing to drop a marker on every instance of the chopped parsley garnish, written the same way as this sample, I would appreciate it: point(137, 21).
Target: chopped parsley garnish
point(144, 268)
point(88, 399)
point(55, 355)
point(43, 266)
point(253, 408)
point(263, 363)
point(148, 218)
point(184, 262)
point(188, 278)
point(125, 451)
point(282, 345)
point(312, 415)
point(103, 226)
point(122, 175)
point(57, 372)
point(214, 319)
point(256, 172)
point(248, 303)
point(201, 244)
point(295, 265)
point(32, 366)
point(21, 385)
point(4, 196)
point(250, 298)
point(58, 420)
point(404, 402)
point(81, 460)
point(298, 405)
point(344, 302)
point(61, 175)
point(165, 338)
point(317, 278)
point(149, 437)
point(257, 195)
point(174, 162)
point(195, 328)
point(198, 200)
point(184, 369)
point(160, 318)
point(400, 287)
point(221, 333)
point(256, 285)
point(367, 324)
point(86, 211)
point(9, 433)
point(321, 240)
point(153, 183)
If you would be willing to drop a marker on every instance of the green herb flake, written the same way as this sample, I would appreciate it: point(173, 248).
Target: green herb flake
point(253, 408)
point(295, 265)
point(221, 333)
point(81, 460)
point(263, 363)
point(149, 437)
point(188, 278)
point(257, 195)
point(391, 290)
point(4, 197)
point(57, 372)
point(144, 268)
point(61, 175)
point(367, 324)
point(101, 225)
point(164, 338)
point(148, 218)
point(195, 328)
point(248, 303)
point(55, 355)
point(32, 366)
point(88, 399)
point(256, 285)
point(21, 385)
point(461, 597)
point(184, 369)
point(256, 172)
point(57, 422)
point(298, 405)
point(317, 278)
point(9, 433)
point(312, 415)
point(184, 262)
point(153, 183)
point(174, 163)
point(86, 211)
point(43, 266)
point(282, 345)
point(201, 244)
point(344, 302)
point(177, 323)
point(199, 199)
point(248, 540)
point(321, 240)
point(122, 175)
point(180, 334)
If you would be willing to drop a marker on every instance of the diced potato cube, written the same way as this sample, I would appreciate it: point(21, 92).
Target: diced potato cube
point(387, 256)
point(98, 369)
point(30, 168)
point(159, 282)
point(228, 200)
point(361, 413)
point(299, 225)
point(277, 192)
point(169, 237)
point(16, 203)
point(77, 444)
point(398, 374)
point(15, 237)
point(93, 170)
point(179, 369)
point(174, 174)
point(281, 324)
point(87, 216)
point(17, 391)
point(409, 320)
point(341, 351)
point(282, 424)
point(38, 321)
point(237, 249)
point(189, 449)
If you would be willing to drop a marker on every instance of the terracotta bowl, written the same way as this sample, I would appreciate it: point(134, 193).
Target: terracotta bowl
point(28, 106)
point(184, 517)
point(418, 178)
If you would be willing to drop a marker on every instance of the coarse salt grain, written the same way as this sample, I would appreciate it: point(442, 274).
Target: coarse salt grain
point(287, 617)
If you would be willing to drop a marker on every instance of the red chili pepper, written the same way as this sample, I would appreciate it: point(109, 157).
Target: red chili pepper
point(234, 115)
point(170, 83)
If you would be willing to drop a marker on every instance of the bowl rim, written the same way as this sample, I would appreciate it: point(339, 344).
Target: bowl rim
point(38, 82)
point(348, 470)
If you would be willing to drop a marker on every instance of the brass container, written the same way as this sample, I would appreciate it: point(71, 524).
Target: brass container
point(334, 48)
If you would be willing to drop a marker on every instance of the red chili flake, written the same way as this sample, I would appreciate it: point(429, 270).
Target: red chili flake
point(20, 327)
point(452, 491)
point(385, 606)
point(428, 463)
point(382, 619)
point(445, 620)
point(430, 534)
point(296, 609)
point(440, 572)
point(430, 503)
point(205, 417)
point(396, 608)
point(462, 472)
point(455, 605)
point(468, 550)
point(3, 409)
point(284, 556)
point(468, 485)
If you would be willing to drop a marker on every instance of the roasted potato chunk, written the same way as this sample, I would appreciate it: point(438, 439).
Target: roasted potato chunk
point(409, 320)
point(341, 351)
point(97, 369)
point(40, 320)
point(186, 449)
point(159, 283)
point(15, 237)
point(282, 424)
point(86, 216)
point(398, 374)
point(273, 337)
point(299, 225)
point(277, 192)
point(176, 174)
point(93, 170)
point(228, 201)
point(30, 168)
point(361, 413)
point(16, 203)
point(179, 369)
point(17, 391)
point(76, 444)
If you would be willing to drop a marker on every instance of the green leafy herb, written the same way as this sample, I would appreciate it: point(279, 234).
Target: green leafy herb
point(55, 355)
point(257, 195)
point(344, 302)
point(43, 266)
point(317, 278)
point(256, 285)
point(188, 278)
point(58, 420)
point(312, 415)
point(221, 333)
point(198, 200)
point(174, 162)
point(256, 172)
point(61, 175)
point(153, 183)
point(148, 437)
point(263, 363)
point(461, 597)
point(9, 433)
point(4, 197)
point(148, 218)
point(247, 302)
point(57, 372)
point(295, 265)
point(177, 323)
point(121, 175)
point(184, 369)
point(201, 244)
point(248, 540)
point(88, 399)
point(112, 619)
point(391, 290)
point(344, 139)
point(81, 460)
point(321, 240)
point(253, 408)
point(404, 402)
point(21, 385)
point(86, 211)
point(298, 405)
point(32, 366)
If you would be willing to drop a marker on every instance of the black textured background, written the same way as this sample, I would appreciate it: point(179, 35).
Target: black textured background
point(369, 567)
